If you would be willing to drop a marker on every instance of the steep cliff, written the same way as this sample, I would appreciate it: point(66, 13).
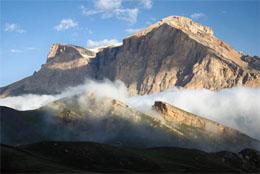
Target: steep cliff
point(172, 52)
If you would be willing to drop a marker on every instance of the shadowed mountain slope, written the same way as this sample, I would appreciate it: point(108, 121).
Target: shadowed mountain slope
point(86, 118)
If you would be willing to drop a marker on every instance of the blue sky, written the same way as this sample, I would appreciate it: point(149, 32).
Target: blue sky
point(29, 28)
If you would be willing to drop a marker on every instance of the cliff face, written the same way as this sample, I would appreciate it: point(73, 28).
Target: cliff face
point(172, 52)
point(175, 52)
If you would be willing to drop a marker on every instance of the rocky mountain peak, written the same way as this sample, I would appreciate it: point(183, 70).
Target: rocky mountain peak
point(200, 33)
point(187, 25)
point(64, 57)
point(63, 53)
point(182, 23)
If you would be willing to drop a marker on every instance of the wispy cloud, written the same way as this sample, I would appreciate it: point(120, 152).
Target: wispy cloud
point(133, 30)
point(150, 21)
point(198, 15)
point(115, 8)
point(108, 5)
point(102, 43)
point(223, 12)
point(16, 51)
point(12, 27)
point(129, 15)
point(66, 24)
point(89, 31)
point(147, 3)
point(29, 48)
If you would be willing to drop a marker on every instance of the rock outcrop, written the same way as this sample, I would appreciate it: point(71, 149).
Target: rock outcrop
point(196, 127)
point(253, 61)
point(172, 52)
point(176, 116)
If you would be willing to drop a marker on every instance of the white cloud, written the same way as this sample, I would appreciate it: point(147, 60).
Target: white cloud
point(133, 30)
point(147, 3)
point(66, 24)
point(102, 43)
point(129, 15)
point(13, 50)
point(198, 15)
point(12, 27)
point(31, 48)
point(88, 12)
point(112, 8)
point(108, 5)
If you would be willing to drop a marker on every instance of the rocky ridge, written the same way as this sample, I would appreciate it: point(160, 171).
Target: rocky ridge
point(174, 116)
point(194, 126)
point(104, 120)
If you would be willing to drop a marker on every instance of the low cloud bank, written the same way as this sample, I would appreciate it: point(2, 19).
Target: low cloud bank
point(235, 107)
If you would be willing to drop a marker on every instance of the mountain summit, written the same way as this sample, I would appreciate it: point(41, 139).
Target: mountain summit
point(172, 52)
point(198, 32)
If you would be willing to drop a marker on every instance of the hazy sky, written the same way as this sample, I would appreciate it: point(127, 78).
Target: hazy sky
point(29, 28)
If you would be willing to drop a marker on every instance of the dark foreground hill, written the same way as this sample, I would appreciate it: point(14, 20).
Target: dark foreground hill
point(94, 157)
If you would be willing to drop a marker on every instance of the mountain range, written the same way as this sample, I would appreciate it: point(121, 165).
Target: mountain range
point(174, 52)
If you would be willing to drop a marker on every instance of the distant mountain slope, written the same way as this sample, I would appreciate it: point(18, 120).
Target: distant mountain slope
point(172, 52)
point(94, 157)
point(112, 122)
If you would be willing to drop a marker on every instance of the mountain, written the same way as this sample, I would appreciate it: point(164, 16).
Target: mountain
point(66, 65)
point(172, 52)
point(71, 157)
point(87, 118)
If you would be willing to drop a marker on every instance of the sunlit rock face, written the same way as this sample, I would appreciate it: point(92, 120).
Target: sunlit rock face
point(172, 52)
point(175, 52)
point(201, 129)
